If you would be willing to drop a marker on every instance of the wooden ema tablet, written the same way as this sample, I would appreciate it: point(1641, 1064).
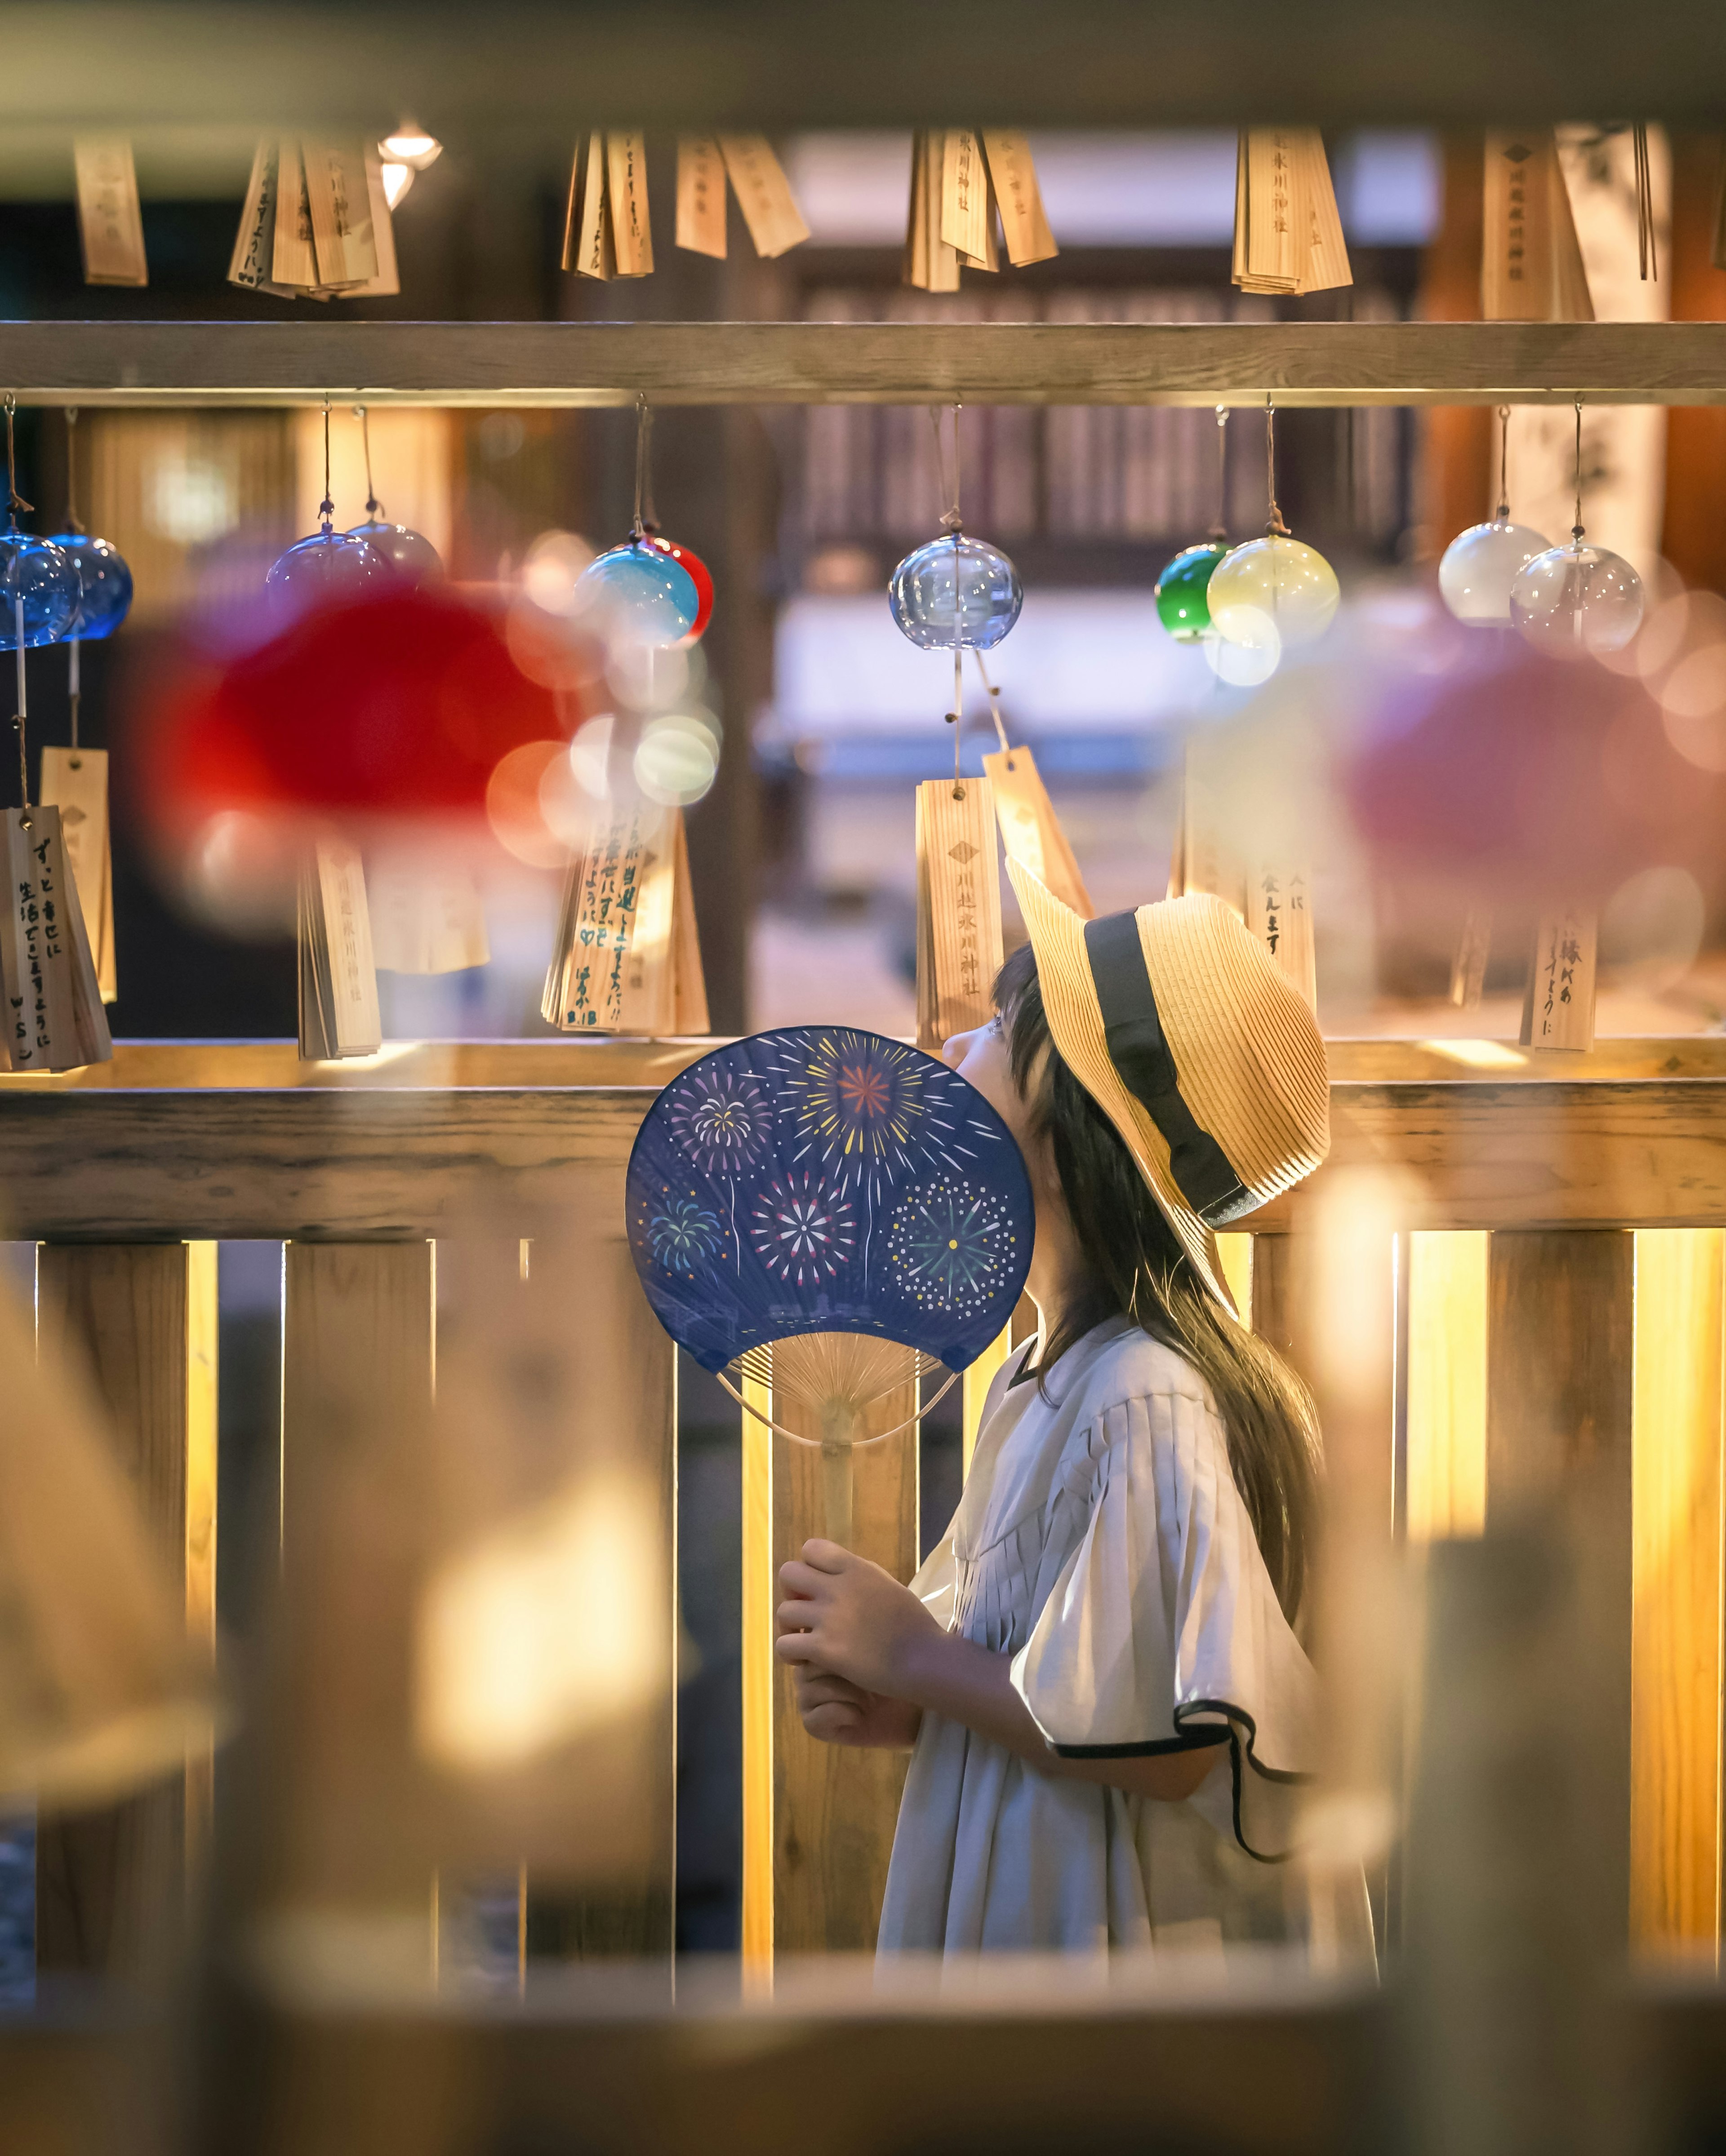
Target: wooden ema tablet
point(1279, 912)
point(627, 957)
point(341, 209)
point(763, 195)
point(111, 226)
point(53, 1018)
point(701, 196)
point(958, 896)
point(295, 258)
point(932, 265)
point(587, 233)
point(1204, 856)
point(1531, 261)
point(426, 915)
point(338, 975)
point(75, 781)
point(1288, 234)
point(252, 264)
point(626, 197)
point(1024, 227)
point(1559, 1008)
point(1031, 830)
point(965, 196)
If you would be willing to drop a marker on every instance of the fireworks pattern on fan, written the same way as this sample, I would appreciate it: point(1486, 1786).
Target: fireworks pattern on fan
point(803, 1230)
point(867, 1108)
point(795, 1182)
point(951, 1245)
point(684, 1236)
point(723, 1122)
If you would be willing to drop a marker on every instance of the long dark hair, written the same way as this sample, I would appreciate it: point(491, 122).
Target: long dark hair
point(1137, 1268)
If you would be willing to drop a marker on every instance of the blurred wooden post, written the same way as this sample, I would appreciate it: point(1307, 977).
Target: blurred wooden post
point(1676, 1643)
point(1559, 1371)
point(834, 1809)
point(111, 1884)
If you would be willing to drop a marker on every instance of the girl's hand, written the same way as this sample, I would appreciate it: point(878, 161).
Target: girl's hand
point(838, 1712)
point(847, 1618)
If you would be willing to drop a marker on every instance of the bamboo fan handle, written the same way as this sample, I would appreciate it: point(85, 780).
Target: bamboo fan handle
point(838, 1487)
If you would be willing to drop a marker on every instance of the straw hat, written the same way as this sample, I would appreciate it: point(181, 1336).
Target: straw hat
point(1180, 1025)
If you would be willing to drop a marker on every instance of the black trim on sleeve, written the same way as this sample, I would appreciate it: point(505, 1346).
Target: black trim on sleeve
point(1138, 1048)
point(1200, 1738)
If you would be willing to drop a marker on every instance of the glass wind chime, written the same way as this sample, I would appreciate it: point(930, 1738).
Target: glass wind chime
point(661, 591)
point(1246, 605)
point(1577, 601)
point(1481, 564)
point(330, 566)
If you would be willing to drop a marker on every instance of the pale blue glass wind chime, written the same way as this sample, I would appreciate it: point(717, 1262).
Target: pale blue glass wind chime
point(73, 588)
point(329, 565)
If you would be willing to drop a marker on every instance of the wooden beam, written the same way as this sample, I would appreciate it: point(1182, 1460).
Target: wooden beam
point(111, 1884)
point(1559, 1385)
point(149, 364)
point(189, 68)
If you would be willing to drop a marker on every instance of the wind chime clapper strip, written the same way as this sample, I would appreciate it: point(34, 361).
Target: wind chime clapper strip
point(1559, 1004)
point(1531, 261)
point(316, 223)
point(1031, 830)
point(627, 957)
point(1288, 235)
point(52, 1017)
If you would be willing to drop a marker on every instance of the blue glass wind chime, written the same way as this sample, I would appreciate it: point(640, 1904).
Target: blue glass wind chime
point(328, 567)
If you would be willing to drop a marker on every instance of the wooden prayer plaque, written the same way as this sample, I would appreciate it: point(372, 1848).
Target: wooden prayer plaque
point(75, 781)
point(1031, 830)
point(763, 194)
point(701, 196)
point(52, 1017)
point(1279, 912)
point(626, 195)
point(111, 225)
point(958, 895)
point(1024, 227)
point(1558, 1010)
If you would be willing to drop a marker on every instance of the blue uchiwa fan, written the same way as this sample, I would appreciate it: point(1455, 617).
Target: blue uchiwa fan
point(830, 1214)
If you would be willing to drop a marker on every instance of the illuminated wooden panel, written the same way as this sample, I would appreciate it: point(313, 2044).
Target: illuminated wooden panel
point(1446, 1385)
point(976, 1382)
point(759, 1596)
point(1675, 1574)
point(1236, 1252)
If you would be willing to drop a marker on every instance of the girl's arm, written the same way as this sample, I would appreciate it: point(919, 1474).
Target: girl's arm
point(846, 1619)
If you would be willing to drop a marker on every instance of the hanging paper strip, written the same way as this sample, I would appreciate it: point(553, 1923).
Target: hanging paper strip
point(53, 1018)
point(338, 975)
point(75, 781)
point(1288, 236)
point(626, 198)
point(316, 222)
point(958, 908)
point(1559, 1008)
point(425, 913)
point(1031, 830)
point(965, 220)
point(1531, 262)
point(111, 225)
point(627, 959)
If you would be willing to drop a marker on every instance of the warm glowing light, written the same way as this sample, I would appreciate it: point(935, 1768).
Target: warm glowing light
point(411, 146)
point(533, 1639)
point(1478, 1055)
point(396, 180)
point(677, 759)
point(590, 757)
point(551, 573)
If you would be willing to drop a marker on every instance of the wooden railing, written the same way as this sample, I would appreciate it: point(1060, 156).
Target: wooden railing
point(1550, 1299)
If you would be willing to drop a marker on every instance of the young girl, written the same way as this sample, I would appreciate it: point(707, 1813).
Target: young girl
point(1096, 1667)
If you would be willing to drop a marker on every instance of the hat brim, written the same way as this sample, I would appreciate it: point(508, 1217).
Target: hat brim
point(1057, 940)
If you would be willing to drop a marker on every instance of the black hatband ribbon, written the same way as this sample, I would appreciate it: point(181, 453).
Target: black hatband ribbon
point(1139, 1050)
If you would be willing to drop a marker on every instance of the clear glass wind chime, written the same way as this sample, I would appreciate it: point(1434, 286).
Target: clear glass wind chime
point(1574, 602)
point(1481, 564)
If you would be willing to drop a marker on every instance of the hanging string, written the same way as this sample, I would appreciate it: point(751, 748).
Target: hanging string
point(952, 522)
point(15, 501)
point(374, 507)
point(75, 676)
point(1647, 257)
point(1276, 529)
point(1576, 528)
point(1219, 529)
point(645, 520)
point(1504, 462)
point(326, 507)
point(994, 707)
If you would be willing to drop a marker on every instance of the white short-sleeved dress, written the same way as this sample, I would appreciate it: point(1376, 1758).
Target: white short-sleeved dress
point(1102, 1542)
